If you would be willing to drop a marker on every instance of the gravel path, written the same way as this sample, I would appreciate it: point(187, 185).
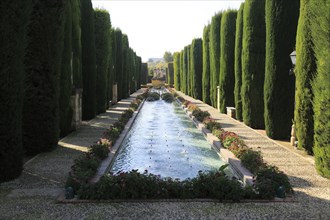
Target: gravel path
point(33, 195)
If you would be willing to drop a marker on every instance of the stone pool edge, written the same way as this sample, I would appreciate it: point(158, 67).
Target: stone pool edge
point(105, 165)
point(245, 175)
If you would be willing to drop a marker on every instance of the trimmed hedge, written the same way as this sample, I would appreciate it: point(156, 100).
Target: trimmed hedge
point(76, 44)
point(170, 72)
point(253, 63)
point(280, 39)
point(206, 65)
point(177, 73)
point(14, 17)
point(304, 70)
point(196, 60)
point(227, 56)
point(42, 67)
point(215, 56)
point(238, 63)
point(65, 84)
point(102, 26)
point(88, 60)
point(321, 89)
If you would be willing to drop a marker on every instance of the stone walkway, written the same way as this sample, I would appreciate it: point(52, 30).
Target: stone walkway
point(33, 195)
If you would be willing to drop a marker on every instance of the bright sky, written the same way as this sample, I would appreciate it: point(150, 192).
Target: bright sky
point(154, 27)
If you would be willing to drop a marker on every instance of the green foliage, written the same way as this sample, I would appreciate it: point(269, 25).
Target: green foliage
point(65, 110)
point(153, 96)
point(252, 160)
point(320, 33)
point(188, 73)
point(133, 185)
point(88, 60)
point(304, 70)
point(185, 74)
point(176, 67)
point(101, 151)
point(123, 82)
point(200, 115)
point(181, 70)
point(214, 56)
point(253, 63)
point(13, 27)
point(103, 51)
point(269, 179)
point(206, 66)
point(167, 97)
point(168, 57)
point(238, 63)
point(76, 44)
point(144, 73)
point(42, 67)
point(227, 55)
point(196, 63)
point(280, 41)
point(170, 72)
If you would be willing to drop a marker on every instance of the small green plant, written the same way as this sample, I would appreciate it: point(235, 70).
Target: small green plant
point(100, 151)
point(200, 115)
point(167, 97)
point(268, 181)
point(252, 160)
point(153, 96)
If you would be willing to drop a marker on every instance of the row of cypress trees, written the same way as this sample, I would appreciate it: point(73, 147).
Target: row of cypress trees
point(48, 49)
point(246, 54)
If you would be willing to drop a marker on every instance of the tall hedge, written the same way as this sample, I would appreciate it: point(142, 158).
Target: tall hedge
point(196, 59)
point(176, 68)
point(321, 89)
point(227, 56)
point(88, 60)
point(123, 83)
point(14, 17)
point(206, 65)
point(65, 109)
point(118, 60)
point(214, 56)
point(304, 70)
point(144, 73)
point(181, 69)
point(110, 68)
point(281, 27)
point(170, 72)
point(238, 63)
point(253, 63)
point(76, 44)
point(188, 73)
point(184, 81)
point(138, 72)
point(102, 26)
point(42, 66)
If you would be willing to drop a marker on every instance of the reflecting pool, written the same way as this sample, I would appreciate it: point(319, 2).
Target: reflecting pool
point(164, 141)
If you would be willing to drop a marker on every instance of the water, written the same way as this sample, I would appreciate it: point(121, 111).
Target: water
point(164, 141)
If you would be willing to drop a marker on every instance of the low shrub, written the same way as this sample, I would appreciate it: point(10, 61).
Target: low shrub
point(200, 115)
point(112, 134)
point(192, 107)
point(268, 181)
point(100, 151)
point(134, 105)
point(167, 97)
point(134, 185)
point(153, 96)
point(238, 148)
point(252, 160)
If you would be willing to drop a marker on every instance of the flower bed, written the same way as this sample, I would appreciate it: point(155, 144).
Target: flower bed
point(268, 180)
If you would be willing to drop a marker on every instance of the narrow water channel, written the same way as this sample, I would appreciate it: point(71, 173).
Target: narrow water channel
point(164, 141)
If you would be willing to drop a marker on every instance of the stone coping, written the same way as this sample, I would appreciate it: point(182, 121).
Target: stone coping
point(245, 175)
point(106, 163)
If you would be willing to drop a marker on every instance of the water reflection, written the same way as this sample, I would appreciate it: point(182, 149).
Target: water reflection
point(164, 141)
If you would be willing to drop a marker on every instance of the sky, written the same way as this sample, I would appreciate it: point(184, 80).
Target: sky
point(156, 26)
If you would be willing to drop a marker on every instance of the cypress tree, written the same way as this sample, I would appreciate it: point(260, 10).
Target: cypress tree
point(279, 87)
point(110, 72)
point(170, 72)
point(321, 89)
point(184, 82)
point(196, 59)
point(188, 73)
point(253, 63)
point(102, 26)
point(42, 67)
point(144, 73)
point(123, 83)
point(118, 61)
point(176, 68)
point(238, 63)
point(76, 44)
point(181, 70)
point(14, 17)
point(206, 65)
point(227, 56)
point(65, 109)
point(304, 70)
point(214, 56)
point(138, 72)
point(88, 60)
